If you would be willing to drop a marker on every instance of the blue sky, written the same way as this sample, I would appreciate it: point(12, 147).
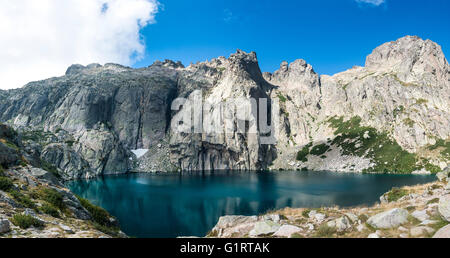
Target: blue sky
point(332, 35)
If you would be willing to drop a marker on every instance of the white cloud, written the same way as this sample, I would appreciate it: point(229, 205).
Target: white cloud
point(40, 39)
point(372, 2)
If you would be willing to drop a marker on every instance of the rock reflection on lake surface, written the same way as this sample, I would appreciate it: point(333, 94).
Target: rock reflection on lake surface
point(171, 205)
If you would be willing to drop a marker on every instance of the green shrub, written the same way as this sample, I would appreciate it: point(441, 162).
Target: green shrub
point(305, 213)
point(23, 200)
point(440, 222)
point(363, 218)
point(282, 98)
point(395, 194)
point(325, 231)
point(50, 168)
point(51, 196)
point(50, 210)
point(6, 184)
point(319, 149)
point(26, 221)
point(302, 155)
point(99, 215)
point(362, 141)
point(435, 200)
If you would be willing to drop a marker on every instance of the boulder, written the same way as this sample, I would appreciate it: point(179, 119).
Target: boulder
point(231, 221)
point(8, 155)
point(287, 231)
point(5, 199)
point(443, 232)
point(361, 227)
point(319, 217)
point(353, 218)
point(444, 207)
point(373, 235)
point(234, 226)
point(272, 217)
point(420, 231)
point(342, 224)
point(264, 228)
point(45, 176)
point(389, 219)
point(442, 176)
point(421, 215)
point(4, 226)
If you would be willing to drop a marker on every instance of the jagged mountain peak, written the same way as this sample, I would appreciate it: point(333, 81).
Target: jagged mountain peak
point(410, 57)
point(294, 75)
point(78, 68)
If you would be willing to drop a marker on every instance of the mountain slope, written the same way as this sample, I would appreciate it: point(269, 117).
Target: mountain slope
point(390, 116)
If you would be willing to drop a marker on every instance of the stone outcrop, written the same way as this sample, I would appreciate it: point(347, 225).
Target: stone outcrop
point(34, 203)
point(389, 219)
point(416, 216)
point(88, 122)
point(444, 207)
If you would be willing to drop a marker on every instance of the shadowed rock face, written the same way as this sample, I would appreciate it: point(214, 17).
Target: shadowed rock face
point(87, 121)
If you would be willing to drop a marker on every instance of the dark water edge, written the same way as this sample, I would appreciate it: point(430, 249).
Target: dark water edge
point(190, 204)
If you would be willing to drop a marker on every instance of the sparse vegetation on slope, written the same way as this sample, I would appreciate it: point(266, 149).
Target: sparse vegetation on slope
point(362, 141)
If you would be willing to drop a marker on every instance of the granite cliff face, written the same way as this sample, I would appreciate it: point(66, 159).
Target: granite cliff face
point(392, 115)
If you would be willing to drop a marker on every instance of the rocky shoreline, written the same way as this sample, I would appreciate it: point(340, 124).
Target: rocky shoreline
point(410, 212)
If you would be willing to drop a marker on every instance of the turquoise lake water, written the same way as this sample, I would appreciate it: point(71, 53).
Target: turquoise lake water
point(171, 205)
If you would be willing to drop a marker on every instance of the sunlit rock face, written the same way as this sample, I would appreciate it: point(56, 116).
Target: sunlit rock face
point(88, 122)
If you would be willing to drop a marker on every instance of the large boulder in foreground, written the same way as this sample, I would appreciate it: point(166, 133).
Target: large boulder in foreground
point(444, 207)
point(443, 232)
point(389, 219)
point(264, 228)
point(4, 226)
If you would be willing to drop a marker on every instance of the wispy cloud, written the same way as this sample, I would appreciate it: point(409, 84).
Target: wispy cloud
point(372, 2)
point(228, 16)
point(40, 39)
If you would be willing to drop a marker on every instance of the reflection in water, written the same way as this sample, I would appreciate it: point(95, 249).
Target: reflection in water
point(173, 205)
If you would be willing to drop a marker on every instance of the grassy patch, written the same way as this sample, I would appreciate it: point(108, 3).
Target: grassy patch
point(305, 213)
point(444, 146)
point(399, 110)
point(50, 168)
point(440, 222)
point(413, 220)
point(100, 217)
point(303, 154)
point(282, 98)
point(421, 101)
point(51, 196)
point(362, 141)
point(9, 144)
point(50, 210)
point(325, 231)
point(409, 122)
point(6, 184)
point(395, 194)
point(23, 200)
point(319, 150)
point(26, 221)
point(435, 200)
point(363, 218)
